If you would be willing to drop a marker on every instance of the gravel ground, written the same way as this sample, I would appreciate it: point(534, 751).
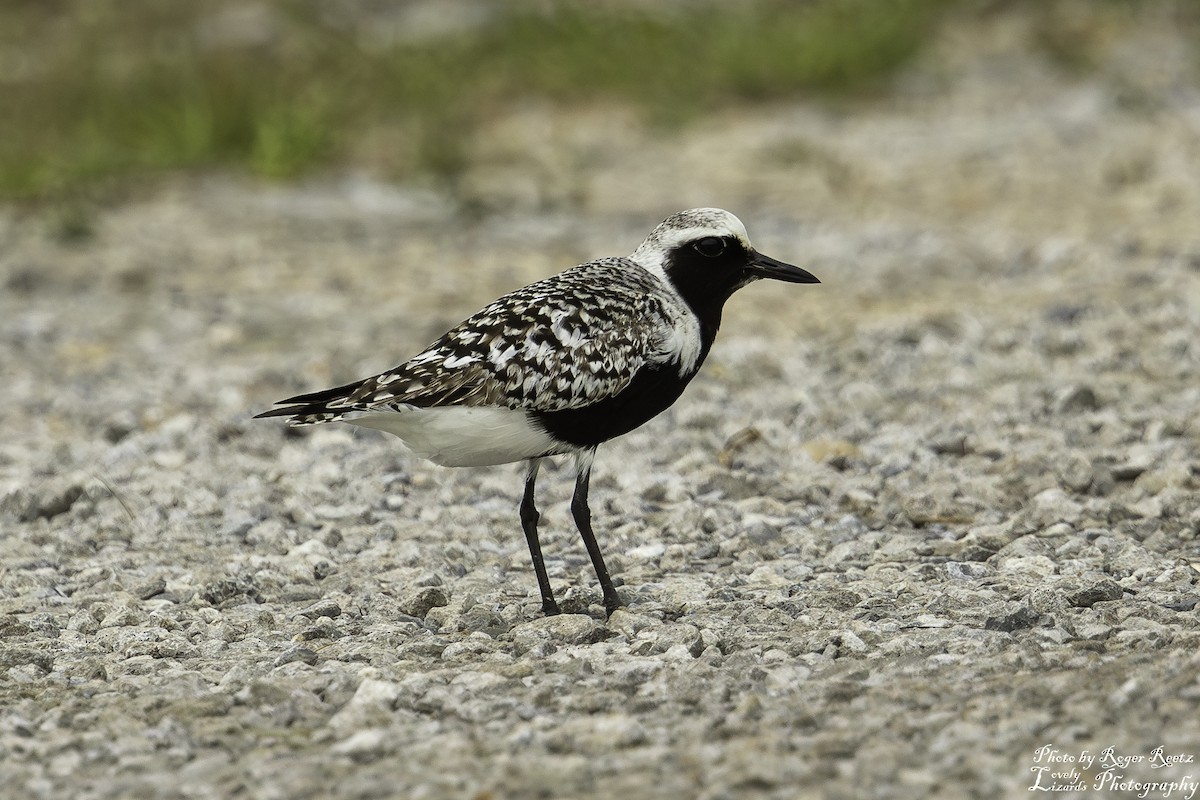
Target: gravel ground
point(905, 529)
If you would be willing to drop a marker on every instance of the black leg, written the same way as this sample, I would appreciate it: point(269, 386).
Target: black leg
point(529, 521)
point(583, 520)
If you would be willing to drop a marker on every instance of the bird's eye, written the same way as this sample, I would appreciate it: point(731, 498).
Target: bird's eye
point(710, 246)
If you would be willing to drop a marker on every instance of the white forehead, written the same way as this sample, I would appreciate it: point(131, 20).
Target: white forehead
point(688, 226)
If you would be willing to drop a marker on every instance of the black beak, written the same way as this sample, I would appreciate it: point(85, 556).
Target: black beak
point(761, 266)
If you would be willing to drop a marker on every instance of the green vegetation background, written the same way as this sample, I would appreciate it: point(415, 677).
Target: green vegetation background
point(96, 92)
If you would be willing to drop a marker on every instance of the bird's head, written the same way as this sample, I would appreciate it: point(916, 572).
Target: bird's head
point(706, 255)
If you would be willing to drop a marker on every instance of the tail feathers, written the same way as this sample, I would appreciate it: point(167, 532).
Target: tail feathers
point(315, 407)
point(305, 415)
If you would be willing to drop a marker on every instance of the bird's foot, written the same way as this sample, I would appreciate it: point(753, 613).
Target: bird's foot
point(611, 603)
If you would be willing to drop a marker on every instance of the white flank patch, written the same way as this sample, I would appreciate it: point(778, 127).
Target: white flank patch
point(682, 341)
point(463, 436)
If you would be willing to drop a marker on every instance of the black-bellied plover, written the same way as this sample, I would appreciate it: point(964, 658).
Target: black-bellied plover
point(562, 365)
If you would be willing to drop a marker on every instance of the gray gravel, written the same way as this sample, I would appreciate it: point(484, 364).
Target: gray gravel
point(905, 529)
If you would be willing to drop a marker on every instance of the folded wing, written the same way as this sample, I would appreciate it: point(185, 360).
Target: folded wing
point(550, 346)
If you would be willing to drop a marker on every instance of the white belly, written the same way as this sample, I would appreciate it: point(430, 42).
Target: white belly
point(464, 436)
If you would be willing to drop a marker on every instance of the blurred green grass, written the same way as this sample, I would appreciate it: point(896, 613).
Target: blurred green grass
point(99, 91)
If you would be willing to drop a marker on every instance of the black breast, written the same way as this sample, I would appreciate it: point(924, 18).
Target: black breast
point(652, 391)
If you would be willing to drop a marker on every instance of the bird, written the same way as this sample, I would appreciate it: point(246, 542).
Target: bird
point(562, 365)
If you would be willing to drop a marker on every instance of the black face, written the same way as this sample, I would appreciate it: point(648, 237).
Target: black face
point(707, 270)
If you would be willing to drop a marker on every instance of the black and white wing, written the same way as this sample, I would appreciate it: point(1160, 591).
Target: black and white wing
point(564, 342)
